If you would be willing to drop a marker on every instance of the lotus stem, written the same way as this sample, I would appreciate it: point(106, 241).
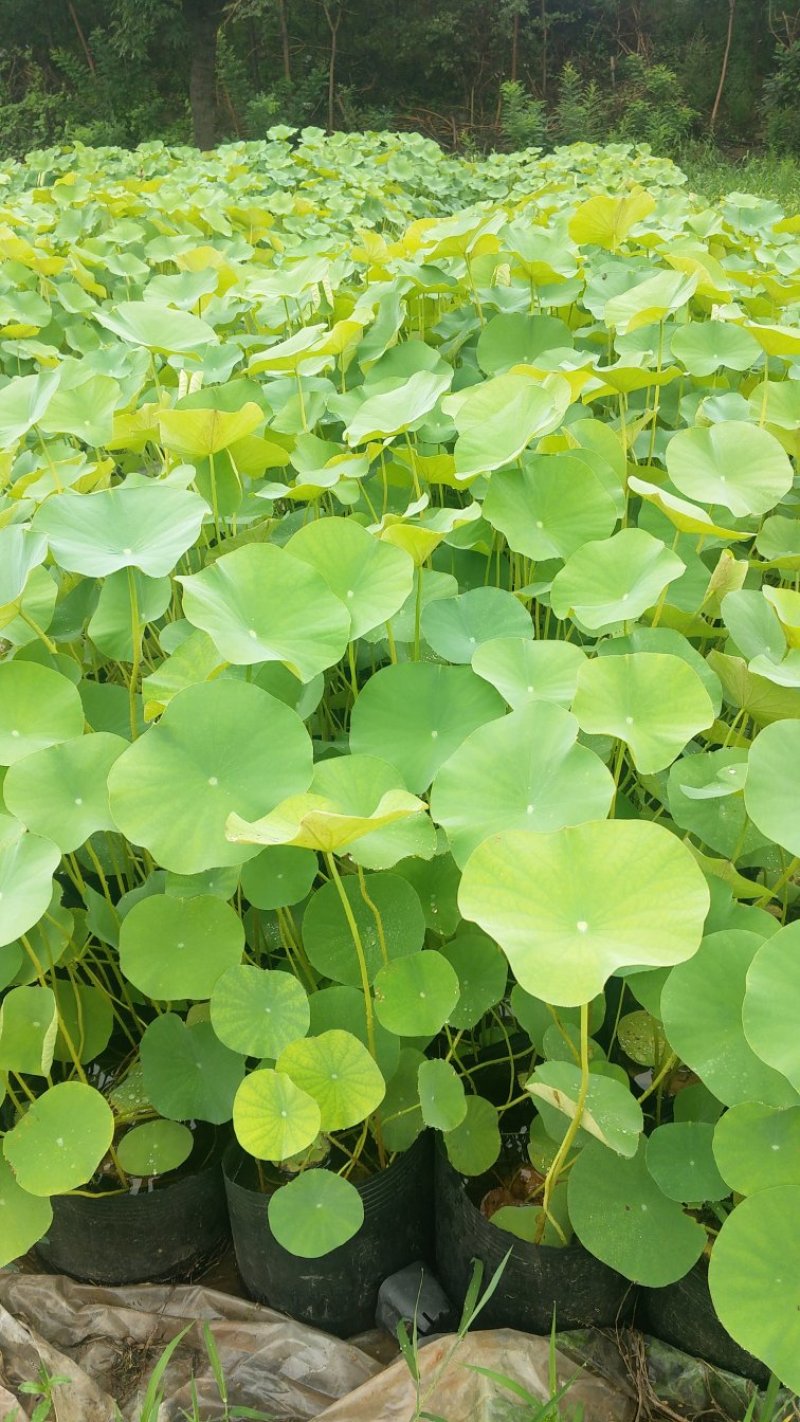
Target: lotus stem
point(560, 1157)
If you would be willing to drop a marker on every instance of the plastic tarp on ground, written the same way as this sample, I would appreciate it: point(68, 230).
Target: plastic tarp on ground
point(107, 1341)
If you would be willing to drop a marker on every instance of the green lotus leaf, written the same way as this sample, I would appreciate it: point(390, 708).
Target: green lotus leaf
point(705, 798)
point(649, 301)
point(259, 604)
point(38, 708)
point(416, 715)
point(21, 550)
point(522, 771)
point(733, 464)
point(754, 1279)
point(778, 540)
point(35, 608)
point(61, 1140)
point(753, 624)
point(273, 1119)
point(610, 1113)
point(279, 876)
point(550, 508)
point(388, 918)
point(496, 420)
point(474, 1145)
point(436, 883)
point(148, 527)
point(178, 948)
point(369, 576)
point(415, 994)
point(199, 433)
point(757, 1146)
point(338, 1071)
point(681, 1161)
point(704, 347)
point(640, 1033)
point(346, 1008)
point(441, 1093)
point(85, 410)
point(112, 622)
point(686, 517)
point(61, 792)
point(482, 972)
point(400, 1115)
point(258, 1012)
point(356, 781)
point(515, 338)
point(771, 1003)
point(389, 412)
point(652, 701)
point(605, 220)
point(27, 865)
point(159, 328)
point(759, 696)
point(23, 401)
point(571, 908)
point(786, 603)
point(772, 789)
point(606, 1194)
point(219, 747)
point(28, 1030)
point(522, 670)
point(155, 1148)
point(668, 640)
point(315, 1213)
point(455, 627)
point(614, 580)
point(26, 1217)
point(188, 1074)
point(701, 1006)
point(86, 1021)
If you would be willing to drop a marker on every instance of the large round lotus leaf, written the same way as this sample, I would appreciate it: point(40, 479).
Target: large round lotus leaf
point(681, 1161)
point(514, 338)
point(188, 1073)
point(26, 1218)
point(497, 419)
point(415, 995)
point(38, 708)
point(60, 1141)
point(732, 463)
point(704, 346)
point(371, 577)
point(28, 1029)
point(758, 1146)
point(178, 948)
point(389, 923)
point(155, 1148)
point(85, 1017)
point(198, 433)
point(219, 747)
point(27, 865)
point(455, 627)
point(570, 908)
point(665, 639)
point(522, 670)
point(258, 1012)
point(345, 1008)
point(482, 973)
point(474, 1145)
point(62, 792)
point(610, 1113)
point(701, 1007)
point(279, 876)
point(273, 1119)
point(705, 798)
point(441, 1094)
point(772, 788)
point(522, 771)
point(772, 1003)
point(652, 701)
point(551, 507)
point(614, 580)
point(622, 1217)
point(416, 714)
point(315, 1213)
point(259, 604)
point(754, 1279)
point(159, 328)
point(338, 1071)
point(147, 527)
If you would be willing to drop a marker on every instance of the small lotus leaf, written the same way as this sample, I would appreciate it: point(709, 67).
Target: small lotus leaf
point(681, 1161)
point(26, 1217)
point(733, 463)
point(28, 1030)
point(551, 507)
point(279, 876)
point(61, 792)
point(178, 948)
point(758, 1146)
point(338, 1071)
point(27, 865)
point(455, 627)
point(652, 701)
point(188, 1073)
point(38, 708)
point(155, 1148)
point(389, 922)
point(315, 1213)
point(482, 972)
point(369, 576)
point(474, 1145)
point(441, 1093)
point(61, 1140)
point(610, 1113)
point(274, 1119)
point(522, 670)
point(415, 994)
point(754, 1279)
point(258, 1011)
point(614, 580)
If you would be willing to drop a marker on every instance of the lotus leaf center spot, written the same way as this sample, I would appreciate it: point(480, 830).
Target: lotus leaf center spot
point(253, 632)
point(128, 552)
point(78, 800)
point(334, 1076)
point(350, 592)
point(582, 926)
point(530, 689)
point(15, 733)
point(530, 809)
point(628, 720)
point(212, 780)
point(434, 735)
point(539, 523)
point(284, 1114)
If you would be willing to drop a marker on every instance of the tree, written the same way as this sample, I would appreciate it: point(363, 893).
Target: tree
point(203, 19)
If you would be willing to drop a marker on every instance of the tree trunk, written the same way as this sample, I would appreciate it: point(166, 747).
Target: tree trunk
point(203, 19)
point(287, 58)
point(515, 47)
point(333, 25)
point(544, 47)
point(724, 70)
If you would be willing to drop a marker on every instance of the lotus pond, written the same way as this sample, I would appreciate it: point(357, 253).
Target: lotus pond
point(400, 619)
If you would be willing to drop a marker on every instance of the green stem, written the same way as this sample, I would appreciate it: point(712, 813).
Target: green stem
point(560, 1157)
point(136, 635)
point(359, 947)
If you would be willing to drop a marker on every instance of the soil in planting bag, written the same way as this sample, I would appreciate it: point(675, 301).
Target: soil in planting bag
point(165, 1234)
point(683, 1315)
point(537, 1278)
point(339, 1291)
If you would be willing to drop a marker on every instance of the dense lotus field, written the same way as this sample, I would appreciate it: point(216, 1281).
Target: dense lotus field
point(400, 619)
